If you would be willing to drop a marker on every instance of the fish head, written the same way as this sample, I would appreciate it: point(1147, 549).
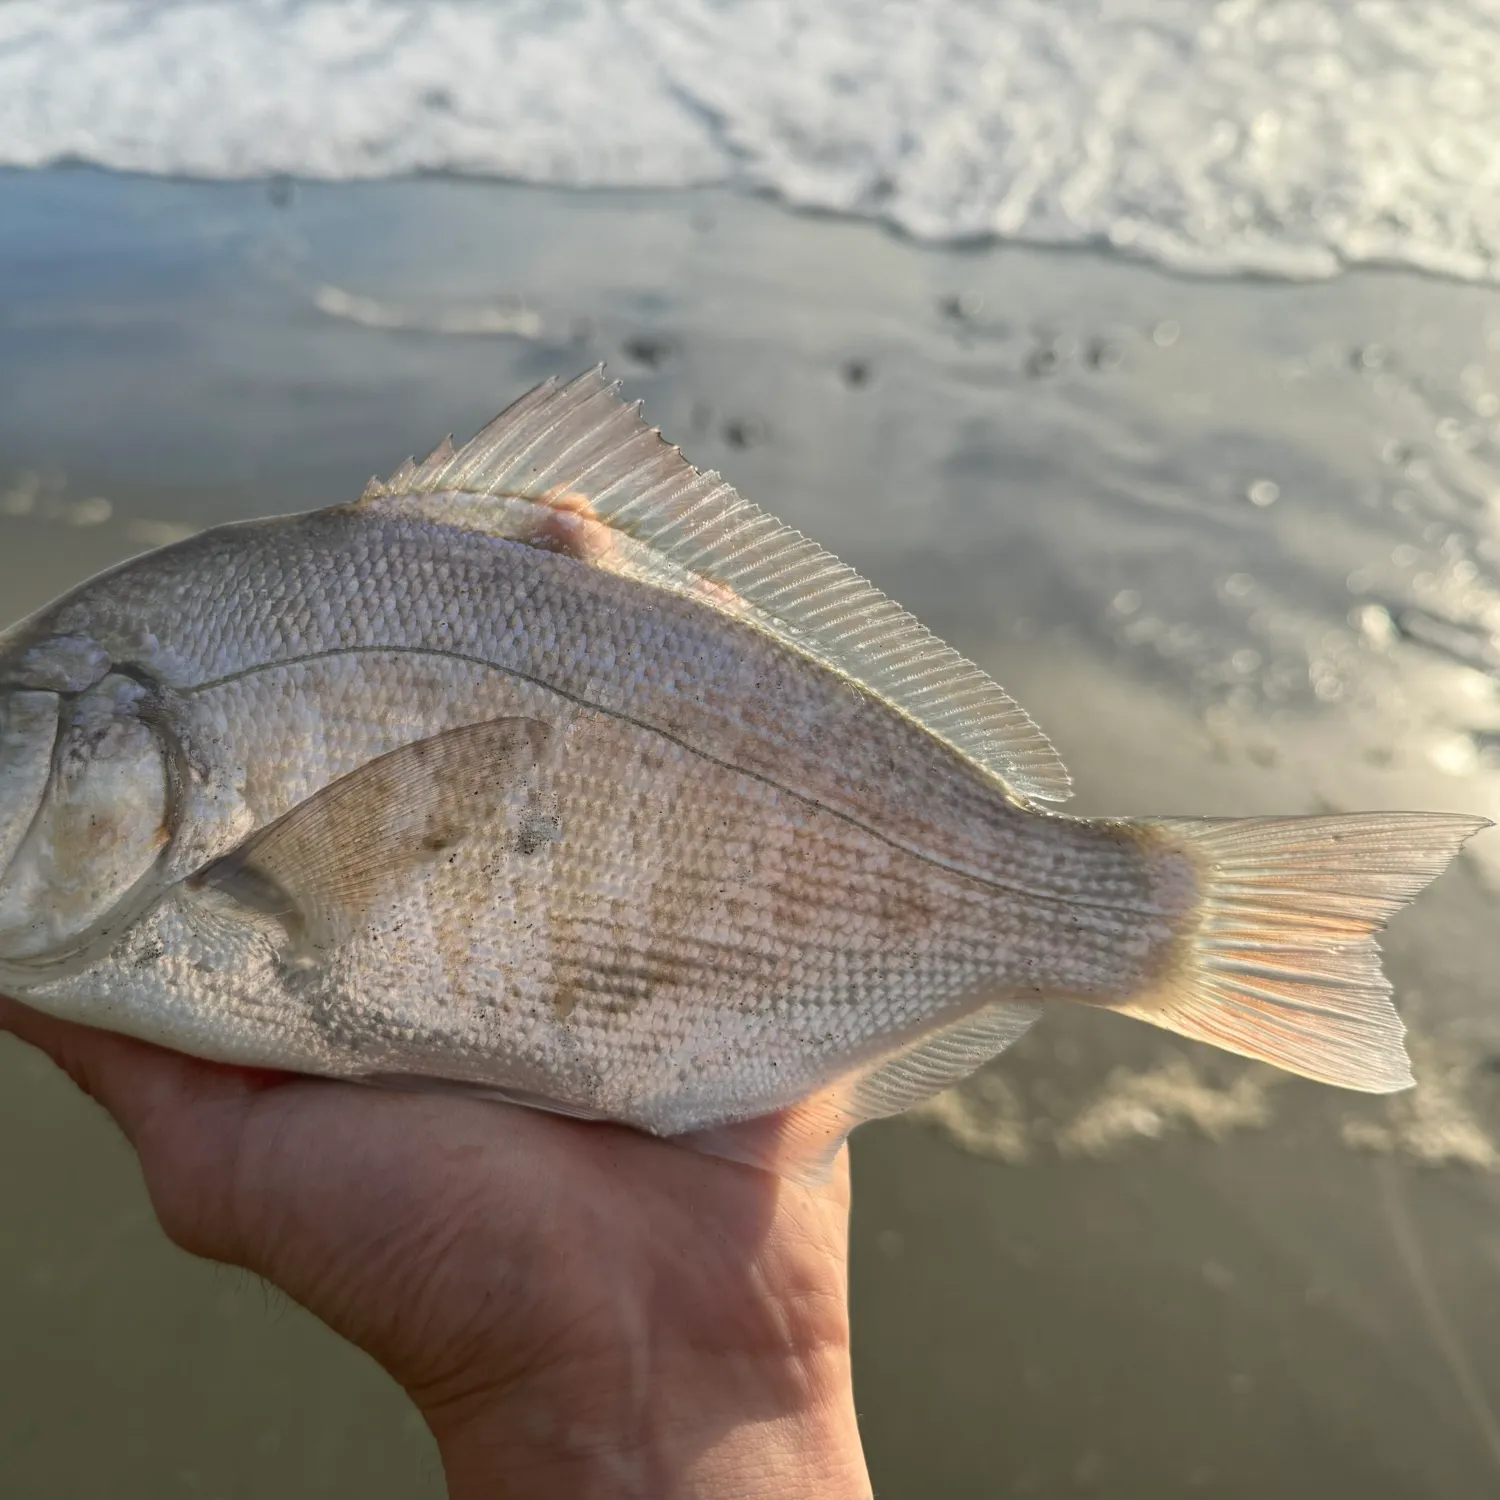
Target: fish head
point(85, 803)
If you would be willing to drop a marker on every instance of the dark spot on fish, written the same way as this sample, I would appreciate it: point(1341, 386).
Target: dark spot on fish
point(905, 910)
point(438, 99)
point(536, 832)
point(856, 372)
point(652, 757)
point(618, 1005)
point(281, 191)
point(149, 954)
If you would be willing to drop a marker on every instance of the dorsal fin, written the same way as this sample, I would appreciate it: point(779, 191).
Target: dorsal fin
point(575, 468)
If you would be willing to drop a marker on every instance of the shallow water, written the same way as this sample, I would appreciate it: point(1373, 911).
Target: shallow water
point(1235, 544)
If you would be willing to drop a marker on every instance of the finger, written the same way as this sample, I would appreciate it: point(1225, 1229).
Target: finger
point(138, 1084)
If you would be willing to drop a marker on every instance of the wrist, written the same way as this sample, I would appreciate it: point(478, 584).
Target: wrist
point(730, 1430)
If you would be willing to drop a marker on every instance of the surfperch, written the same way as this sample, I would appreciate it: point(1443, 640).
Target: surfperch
point(554, 770)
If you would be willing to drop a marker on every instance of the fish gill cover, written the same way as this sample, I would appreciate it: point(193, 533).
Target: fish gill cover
point(1285, 137)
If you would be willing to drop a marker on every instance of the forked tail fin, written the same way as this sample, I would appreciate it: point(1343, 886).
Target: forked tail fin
point(1280, 962)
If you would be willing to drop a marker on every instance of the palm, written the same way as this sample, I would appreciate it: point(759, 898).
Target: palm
point(483, 1252)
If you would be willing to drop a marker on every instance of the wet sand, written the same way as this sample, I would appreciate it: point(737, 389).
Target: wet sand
point(1236, 545)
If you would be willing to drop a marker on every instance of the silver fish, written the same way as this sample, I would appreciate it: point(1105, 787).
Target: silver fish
point(553, 770)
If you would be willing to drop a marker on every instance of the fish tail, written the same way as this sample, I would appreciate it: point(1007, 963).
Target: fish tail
point(1277, 960)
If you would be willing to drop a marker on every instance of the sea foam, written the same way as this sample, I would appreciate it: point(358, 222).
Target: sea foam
point(1286, 137)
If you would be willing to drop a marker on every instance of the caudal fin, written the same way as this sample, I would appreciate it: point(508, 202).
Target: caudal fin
point(1281, 962)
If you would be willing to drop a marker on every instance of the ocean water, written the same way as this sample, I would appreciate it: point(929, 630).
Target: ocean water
point(1284, 137)
point(1232, 538)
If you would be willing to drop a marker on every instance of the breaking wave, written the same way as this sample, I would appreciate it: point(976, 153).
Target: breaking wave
point(1284, 137)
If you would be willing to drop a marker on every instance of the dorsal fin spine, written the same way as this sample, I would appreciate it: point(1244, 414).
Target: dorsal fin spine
point(702, 552)
point(651, 495)
point(580, 479)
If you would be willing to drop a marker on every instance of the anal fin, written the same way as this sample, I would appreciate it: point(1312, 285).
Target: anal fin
point(802, 1141)
point(457, 1088)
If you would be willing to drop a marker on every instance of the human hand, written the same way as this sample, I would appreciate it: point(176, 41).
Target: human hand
point(577, 1310)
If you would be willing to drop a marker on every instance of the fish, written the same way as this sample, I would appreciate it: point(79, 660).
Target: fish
point(553, 771)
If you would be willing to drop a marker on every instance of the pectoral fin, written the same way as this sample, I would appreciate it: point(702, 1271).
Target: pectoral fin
point(320, 868)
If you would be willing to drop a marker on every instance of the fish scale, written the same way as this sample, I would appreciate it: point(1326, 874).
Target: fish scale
point(556, 771)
